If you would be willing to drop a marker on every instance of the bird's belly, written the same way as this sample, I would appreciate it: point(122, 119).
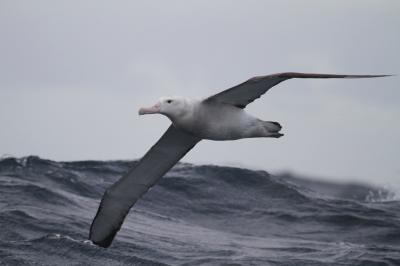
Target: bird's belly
point(219, 127)
point(219, 131)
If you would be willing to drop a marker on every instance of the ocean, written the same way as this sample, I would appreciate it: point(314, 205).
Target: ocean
point(196, 215)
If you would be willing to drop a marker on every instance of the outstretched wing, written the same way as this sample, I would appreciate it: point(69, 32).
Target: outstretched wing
point(122, 195)
point(246, 92)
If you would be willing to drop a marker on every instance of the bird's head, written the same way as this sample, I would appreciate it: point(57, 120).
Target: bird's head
point(172, 107)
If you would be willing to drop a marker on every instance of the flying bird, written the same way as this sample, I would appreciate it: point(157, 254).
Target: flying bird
point(219, 117)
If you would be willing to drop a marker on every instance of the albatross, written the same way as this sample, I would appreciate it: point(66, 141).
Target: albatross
point(219, 117)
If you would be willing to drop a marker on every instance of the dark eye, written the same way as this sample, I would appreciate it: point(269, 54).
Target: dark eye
point(169, 101)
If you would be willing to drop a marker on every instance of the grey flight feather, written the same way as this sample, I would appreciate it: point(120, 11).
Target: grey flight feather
point(122, 195)
point(243, 94)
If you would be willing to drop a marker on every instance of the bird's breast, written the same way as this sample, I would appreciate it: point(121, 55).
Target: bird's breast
point(221, 122)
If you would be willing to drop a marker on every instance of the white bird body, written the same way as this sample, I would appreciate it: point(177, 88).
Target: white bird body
point(218, 121)
point(219, 117)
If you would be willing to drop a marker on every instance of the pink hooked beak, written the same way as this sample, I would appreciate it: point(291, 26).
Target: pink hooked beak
point(150, 110)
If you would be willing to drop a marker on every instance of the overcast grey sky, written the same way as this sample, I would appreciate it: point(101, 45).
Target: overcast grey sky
point(74, 73)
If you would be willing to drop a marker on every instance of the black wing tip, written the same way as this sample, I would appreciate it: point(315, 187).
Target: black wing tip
point(100, 236)
point(369, 76)
point(288, 75)
point(104, 243)
point(321, 75)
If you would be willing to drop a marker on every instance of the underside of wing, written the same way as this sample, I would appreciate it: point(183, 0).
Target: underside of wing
point(248, 91)
point(122, 195)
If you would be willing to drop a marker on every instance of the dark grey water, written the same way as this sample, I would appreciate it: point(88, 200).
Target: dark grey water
point(197, 215)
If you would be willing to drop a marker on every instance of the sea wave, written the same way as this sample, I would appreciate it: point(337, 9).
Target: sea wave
point(195, 215)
